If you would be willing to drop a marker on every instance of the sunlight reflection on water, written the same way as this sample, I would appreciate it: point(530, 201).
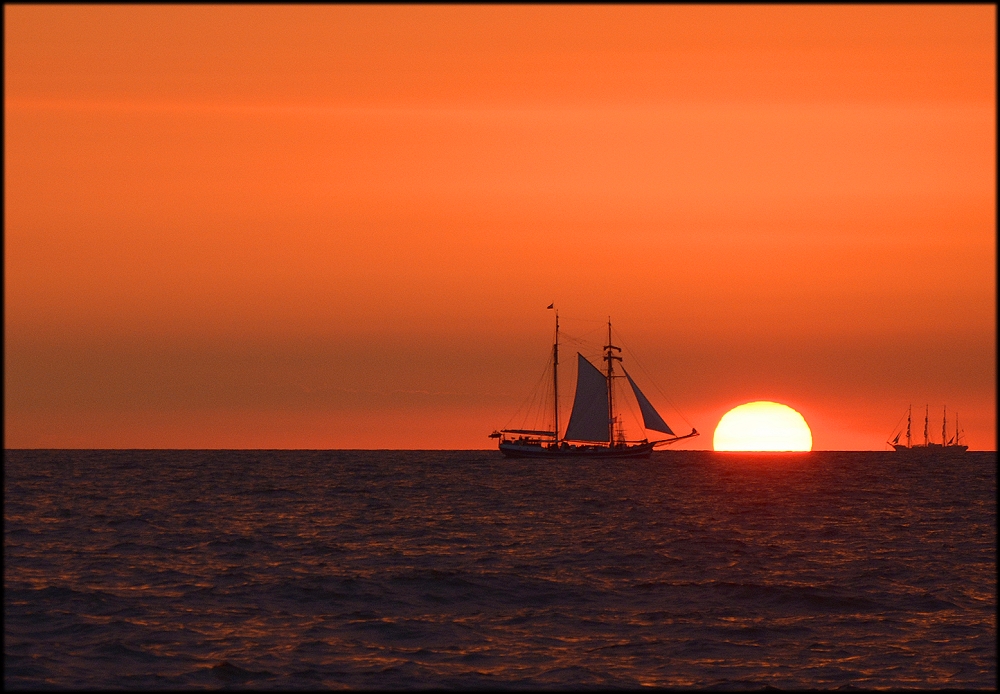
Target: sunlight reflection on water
point(401, 569)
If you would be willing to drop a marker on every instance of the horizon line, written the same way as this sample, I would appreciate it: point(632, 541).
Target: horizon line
point(456, 450)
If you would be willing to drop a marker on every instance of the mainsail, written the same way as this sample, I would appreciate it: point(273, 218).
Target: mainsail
point(589, 421)
point(651, 419)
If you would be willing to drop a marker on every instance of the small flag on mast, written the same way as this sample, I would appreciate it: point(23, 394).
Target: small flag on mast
point(552, 305)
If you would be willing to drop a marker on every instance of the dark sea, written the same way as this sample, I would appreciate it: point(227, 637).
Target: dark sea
point(460, 569)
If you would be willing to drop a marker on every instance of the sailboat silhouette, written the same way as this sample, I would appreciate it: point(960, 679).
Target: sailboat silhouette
point(594, 429)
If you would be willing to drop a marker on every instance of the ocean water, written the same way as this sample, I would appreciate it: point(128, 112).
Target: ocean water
point(401, 569)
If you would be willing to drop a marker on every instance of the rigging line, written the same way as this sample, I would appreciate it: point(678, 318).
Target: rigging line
point(578, 338)
point(578, 341)
point(542, 395)
point(632, 357)
point(586, 320)
point(542, 413)
point(530, 397)
point(585, 347)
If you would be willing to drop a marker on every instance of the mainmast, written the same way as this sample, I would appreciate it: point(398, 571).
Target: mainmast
point(909, 414)
point(555, 375)
point(610, 358)
point(944, 424)
point(927, 414)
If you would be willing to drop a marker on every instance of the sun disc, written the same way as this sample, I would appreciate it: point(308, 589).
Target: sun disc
point(762, 426)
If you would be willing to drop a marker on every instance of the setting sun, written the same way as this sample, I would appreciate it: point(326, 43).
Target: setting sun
point(762, 426)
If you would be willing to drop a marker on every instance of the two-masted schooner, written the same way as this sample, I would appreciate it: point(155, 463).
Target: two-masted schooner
point(948, 445)
point(594, 429)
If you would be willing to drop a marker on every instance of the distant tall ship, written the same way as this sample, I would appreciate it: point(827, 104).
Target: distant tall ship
point(595, 429)
point(950, 446)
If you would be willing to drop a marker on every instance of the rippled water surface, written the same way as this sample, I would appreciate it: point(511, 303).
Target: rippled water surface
point(385, 569)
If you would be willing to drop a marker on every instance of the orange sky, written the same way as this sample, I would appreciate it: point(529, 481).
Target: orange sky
point(338, 227)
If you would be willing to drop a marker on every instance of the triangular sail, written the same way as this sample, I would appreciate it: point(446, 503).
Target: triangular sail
point(651, 419)
point(589, 421)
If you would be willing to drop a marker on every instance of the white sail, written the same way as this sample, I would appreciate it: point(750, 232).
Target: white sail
point(651, 419)
point(589, 420)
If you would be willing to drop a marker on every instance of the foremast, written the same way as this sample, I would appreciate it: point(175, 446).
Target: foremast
point(609, 356)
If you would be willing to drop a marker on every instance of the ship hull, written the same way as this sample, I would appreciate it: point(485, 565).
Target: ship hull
point(518, 450)
point(930, 451)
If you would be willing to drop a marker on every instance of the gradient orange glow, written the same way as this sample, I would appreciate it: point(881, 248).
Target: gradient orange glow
point(338, 226)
